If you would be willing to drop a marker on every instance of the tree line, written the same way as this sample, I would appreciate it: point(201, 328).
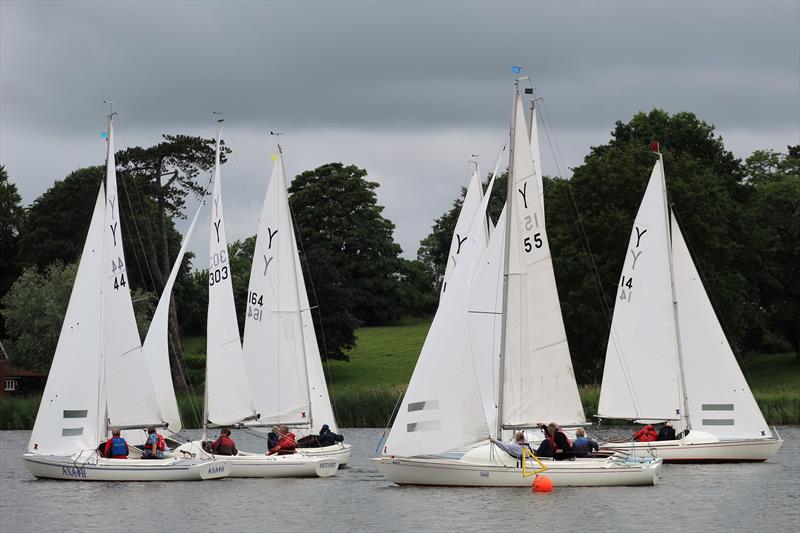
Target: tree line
point(741, 220)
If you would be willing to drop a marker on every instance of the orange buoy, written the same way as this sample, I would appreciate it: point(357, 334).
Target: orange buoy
point(542, 483)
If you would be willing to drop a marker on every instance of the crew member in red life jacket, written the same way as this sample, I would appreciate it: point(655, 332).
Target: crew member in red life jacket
point(154, 446)
point(224, 445)
point(286, 444)
point(559, 442)
point(646, 434)
point(116, 447)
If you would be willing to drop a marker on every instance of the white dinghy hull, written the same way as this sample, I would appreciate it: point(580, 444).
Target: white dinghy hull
point(483, 467)
point(699, 447)
point(77, 469)
point(339, 451)
point(247, 464)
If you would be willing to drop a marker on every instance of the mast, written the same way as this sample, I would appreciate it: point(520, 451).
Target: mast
point(297, 292)
point(205, 392)
point(674, 294)
point(504, 319)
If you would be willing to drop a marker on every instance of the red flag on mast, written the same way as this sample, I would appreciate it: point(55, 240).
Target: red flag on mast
point(654, 147)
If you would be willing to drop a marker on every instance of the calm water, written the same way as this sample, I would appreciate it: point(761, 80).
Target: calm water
point(748, 497)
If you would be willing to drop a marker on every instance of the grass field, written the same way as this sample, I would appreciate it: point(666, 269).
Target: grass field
point(366, 389)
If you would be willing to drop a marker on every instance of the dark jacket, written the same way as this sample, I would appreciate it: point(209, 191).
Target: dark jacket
point(224, 445)
point(666, 433)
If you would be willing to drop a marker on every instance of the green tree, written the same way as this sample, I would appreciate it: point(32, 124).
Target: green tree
point(336, 209)
point(12, 217)
point(775, 178)
point(34, 309)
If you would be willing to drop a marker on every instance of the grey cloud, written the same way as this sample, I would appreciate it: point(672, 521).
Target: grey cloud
point(407, 90)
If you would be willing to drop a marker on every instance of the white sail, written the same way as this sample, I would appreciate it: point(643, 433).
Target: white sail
point(641, 377)
point(538, 379)
point(156, 343)
point(469, 207)
point(73, 403)
point(720, 400)
point(130, 394)
point(274, 342)
point(440, 415)
point(536, 154)
point(485, 318)
point(228, 399)
point(321, 409)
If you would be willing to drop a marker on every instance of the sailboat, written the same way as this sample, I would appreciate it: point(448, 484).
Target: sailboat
point(229, 398)
point(281, 354)
point(668, 358)
point(99, 378)
point(439, 436)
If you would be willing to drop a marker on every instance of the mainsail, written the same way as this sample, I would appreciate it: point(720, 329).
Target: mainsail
point(228, 399)
point(131, 397)
point(538, 379)
point(276, 341)
point(641, 377)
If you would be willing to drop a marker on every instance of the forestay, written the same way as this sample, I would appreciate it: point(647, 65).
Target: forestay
point(720, 400)
point(131, 400)
point(71, 415)
point(156, 343)
point(538, 379)
point(228, 399)
point(641, 377)
point(274, 342)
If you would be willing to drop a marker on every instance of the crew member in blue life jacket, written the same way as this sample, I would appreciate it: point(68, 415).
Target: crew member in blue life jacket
point(154, 446)
point(514, 449)
point(116, 447)
point(583, 445)
point(224, 445)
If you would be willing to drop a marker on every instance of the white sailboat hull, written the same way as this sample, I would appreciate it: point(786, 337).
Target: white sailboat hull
point(77, 469)
point(484, 468)
point(339, 451)
point(699, 447)
point(247, 464)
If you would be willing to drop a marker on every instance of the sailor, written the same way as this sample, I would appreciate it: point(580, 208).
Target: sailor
point(116, 447)
point(514, 449)
point(224, 445)
point(667, 432)
point(328, 437)
point(646, 434)
point(154, 446)
point(559, 442)
point(583, 445)
point(286, 443)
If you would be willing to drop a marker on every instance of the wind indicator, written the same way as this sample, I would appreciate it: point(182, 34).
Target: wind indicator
point(278, 135)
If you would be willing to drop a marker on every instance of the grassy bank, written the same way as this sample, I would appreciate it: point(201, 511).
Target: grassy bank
point(366, 389)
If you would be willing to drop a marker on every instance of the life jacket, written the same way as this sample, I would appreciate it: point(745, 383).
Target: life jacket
point(119, 447)
point(162, 444)
point(646, 434)
point(224, 446)
point(552, 439)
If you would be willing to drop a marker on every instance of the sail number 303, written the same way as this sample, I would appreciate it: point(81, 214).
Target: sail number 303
point(217, 268)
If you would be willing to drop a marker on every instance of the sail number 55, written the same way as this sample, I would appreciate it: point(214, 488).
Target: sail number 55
point(537, 242)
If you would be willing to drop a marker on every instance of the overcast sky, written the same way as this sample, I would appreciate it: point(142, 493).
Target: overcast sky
point(406, 90)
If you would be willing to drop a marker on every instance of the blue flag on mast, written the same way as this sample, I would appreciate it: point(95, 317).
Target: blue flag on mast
point(516, 70)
